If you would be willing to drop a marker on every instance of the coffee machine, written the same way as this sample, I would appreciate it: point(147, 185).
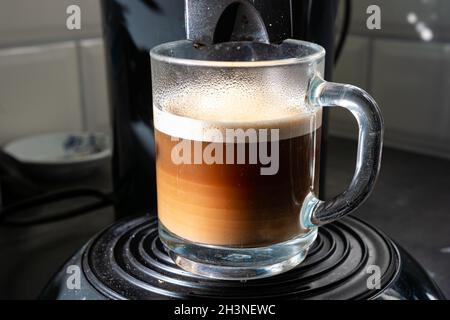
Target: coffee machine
point(127, 260)
point(132, 28)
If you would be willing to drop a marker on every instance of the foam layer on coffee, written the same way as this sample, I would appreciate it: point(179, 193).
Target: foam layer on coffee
point(194, 118)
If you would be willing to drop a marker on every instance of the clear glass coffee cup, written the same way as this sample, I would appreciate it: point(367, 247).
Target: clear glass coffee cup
point(238, 129)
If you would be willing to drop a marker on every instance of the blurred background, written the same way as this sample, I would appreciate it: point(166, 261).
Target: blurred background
point(49, 70)
point(54, 80)
point(405, 66)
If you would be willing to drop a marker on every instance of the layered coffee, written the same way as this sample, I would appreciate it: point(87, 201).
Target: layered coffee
point(243, 202)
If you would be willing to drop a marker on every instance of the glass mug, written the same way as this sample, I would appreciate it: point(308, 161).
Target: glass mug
point(237, 130)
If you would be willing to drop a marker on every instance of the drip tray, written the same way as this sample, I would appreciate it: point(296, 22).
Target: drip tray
point(128, 261)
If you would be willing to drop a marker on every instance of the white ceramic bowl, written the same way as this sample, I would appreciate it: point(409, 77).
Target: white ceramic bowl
point(61, 155)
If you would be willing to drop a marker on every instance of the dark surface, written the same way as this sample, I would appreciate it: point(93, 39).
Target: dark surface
point(411, 203)
point(127, 261)
point(29, 256)
point(335, 268)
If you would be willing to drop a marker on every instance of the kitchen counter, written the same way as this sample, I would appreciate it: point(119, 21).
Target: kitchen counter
point(411, 203)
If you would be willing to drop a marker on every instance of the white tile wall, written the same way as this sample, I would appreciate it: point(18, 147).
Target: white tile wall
point(409, 77)
point(394, 22)
point(96, 105)
point(24, 21)
point(353, 68)
point(408, 82)
point(63, 87)
point(51, 78)
point(39, 90)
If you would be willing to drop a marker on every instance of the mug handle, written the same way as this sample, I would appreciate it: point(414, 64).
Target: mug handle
point(321, 93)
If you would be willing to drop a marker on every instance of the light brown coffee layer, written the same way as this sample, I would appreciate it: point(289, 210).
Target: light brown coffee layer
point(231, 204)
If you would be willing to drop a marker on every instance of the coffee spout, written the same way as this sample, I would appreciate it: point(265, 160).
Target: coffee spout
point(216, 21)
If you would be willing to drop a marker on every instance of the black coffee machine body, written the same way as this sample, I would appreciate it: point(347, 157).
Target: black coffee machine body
point(349, 259)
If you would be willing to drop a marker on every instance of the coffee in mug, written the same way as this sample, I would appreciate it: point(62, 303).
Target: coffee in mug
point(238, 130)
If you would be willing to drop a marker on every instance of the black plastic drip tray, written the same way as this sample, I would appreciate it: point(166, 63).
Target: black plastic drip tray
point(127, 261)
